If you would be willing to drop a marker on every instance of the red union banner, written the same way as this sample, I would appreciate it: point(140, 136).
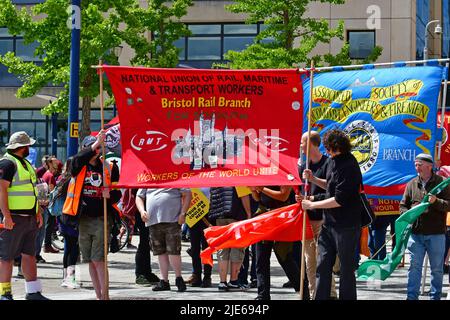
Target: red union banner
point(197, 128)
point(445, 148)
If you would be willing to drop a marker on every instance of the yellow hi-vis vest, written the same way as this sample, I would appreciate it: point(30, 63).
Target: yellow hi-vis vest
point(22, 192)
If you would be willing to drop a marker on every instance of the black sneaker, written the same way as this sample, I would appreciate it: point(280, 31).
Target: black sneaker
point(39, 259)
point(223, 286)
point(162, 286)
point(6, 297)
point(179, 282)
point(35, 296)
point(206, 282)
point(235, 286)
point(142, 281)
point(197, 282)
point(153, 278)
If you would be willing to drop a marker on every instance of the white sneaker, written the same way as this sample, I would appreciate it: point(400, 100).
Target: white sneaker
point(64, 283)
point(72, 283)
point(448, 294)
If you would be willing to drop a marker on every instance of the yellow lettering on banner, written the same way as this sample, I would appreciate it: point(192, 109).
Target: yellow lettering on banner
point(198, 209)
point(399, 91)
point(243, 191)
point(378, 111)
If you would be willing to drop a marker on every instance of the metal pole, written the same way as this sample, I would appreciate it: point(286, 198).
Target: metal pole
point(424, 275)
point(74, 83)
point(105, 204)
point(306, 189)
point(425, 48)
point(55, 134)
point(381, 64)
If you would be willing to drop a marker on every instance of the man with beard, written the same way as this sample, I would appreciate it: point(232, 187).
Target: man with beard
point(21, 217)
point(84, 202)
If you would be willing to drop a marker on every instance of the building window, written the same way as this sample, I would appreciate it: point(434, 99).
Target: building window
point(422, 17)
point(208, 43)
point(17, 45)
point(361, 43)
point(27, 1)
point(446, 29)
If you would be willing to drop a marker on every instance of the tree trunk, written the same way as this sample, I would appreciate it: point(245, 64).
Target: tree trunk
point(289, 34)
point(86, 117)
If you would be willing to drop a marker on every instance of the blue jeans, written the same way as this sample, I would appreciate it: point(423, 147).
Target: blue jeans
point(418, 246)
point(41, 232)
point(377, 235)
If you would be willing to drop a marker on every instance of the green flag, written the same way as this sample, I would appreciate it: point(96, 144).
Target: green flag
point(382, 269)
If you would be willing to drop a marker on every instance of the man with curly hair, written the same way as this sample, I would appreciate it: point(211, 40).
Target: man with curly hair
point(342, 216)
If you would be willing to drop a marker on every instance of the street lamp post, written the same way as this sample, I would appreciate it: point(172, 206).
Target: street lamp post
point(437, 30)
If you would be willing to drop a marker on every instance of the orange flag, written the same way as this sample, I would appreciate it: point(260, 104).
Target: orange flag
point(283, 224)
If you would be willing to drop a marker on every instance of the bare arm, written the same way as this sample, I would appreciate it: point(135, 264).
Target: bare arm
point(323, 204)
point(140, 205)
point(7, 220)
point(280, 195)
point(246, 203)
point(186, 198)
point(255, 194)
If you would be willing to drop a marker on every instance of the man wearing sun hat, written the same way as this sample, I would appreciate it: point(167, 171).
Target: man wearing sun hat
point(21, 217)
point(428, 231)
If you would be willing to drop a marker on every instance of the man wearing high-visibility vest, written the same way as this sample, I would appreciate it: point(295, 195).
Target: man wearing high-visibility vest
point(85, 201)
point(21, 217)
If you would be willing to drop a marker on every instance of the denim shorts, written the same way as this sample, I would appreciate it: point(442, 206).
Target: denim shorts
point(166, 238)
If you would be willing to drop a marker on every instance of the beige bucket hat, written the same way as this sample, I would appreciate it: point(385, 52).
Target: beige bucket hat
point(19, 139)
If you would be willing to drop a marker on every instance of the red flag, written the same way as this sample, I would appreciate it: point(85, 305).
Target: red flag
point(445, 148)
point(196, 128)
point(283, 224)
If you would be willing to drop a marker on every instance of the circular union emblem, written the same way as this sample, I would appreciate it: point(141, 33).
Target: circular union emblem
point(365, 143)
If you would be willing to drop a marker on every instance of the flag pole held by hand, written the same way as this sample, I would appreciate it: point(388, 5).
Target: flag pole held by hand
point(105, 295)
point(306, 187)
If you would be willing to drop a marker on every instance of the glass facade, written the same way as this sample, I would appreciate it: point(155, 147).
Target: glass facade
point(27, 1)
point(16, 44)
point(445, 29)
point(209, 42)
point(39, 127)
point(422, 18)
point(361, 43)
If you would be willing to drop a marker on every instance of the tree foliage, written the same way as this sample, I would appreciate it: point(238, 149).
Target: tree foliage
point(293, 36)
point(105, 24)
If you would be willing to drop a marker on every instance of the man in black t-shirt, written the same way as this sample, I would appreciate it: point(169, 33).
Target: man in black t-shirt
point(318, 167)
point(90, 210)
point(20, 217)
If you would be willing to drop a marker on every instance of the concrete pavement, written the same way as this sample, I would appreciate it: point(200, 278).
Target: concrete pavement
point(123, 287)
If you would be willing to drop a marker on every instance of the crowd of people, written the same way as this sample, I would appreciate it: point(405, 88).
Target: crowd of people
point(71, 198)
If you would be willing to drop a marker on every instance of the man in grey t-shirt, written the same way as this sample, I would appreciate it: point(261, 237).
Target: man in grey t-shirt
point(164, 211)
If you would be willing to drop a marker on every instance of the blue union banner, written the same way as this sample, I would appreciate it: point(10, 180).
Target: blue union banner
point(389, 114)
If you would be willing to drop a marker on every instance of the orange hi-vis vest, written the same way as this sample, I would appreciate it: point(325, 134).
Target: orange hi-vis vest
point(75, 188)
